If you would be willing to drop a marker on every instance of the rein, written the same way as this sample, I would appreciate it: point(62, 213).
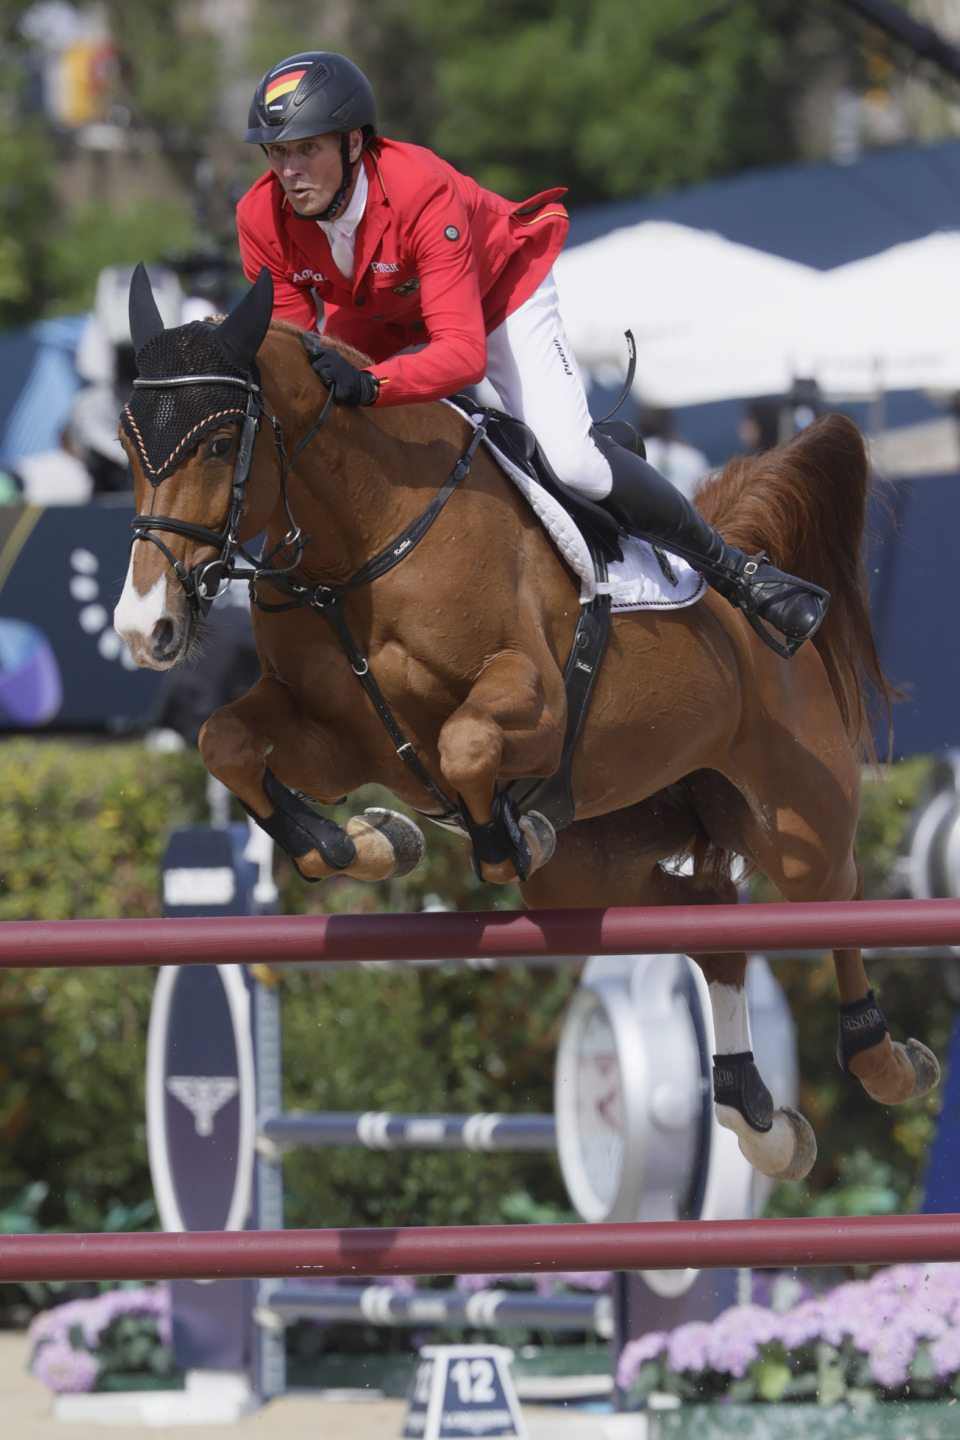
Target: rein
point(203, 584)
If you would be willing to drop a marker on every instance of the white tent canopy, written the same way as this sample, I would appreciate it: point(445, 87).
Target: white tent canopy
point(889, 322)
point(662, 280)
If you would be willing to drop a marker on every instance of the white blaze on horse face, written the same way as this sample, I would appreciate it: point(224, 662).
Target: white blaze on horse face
point(731, 1022)
point(137, 617)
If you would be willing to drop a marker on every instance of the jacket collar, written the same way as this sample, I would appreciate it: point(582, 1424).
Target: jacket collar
point(375, 218)
point(367, 235)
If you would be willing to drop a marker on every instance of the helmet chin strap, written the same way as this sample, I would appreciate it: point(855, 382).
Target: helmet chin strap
point(338, 201)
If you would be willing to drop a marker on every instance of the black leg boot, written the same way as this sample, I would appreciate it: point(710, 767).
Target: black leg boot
point(647, 505)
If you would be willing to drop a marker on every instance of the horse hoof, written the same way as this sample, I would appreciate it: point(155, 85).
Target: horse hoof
point(787, 1151)
point(541, 837)
point(405, 839)
point(926, 1068)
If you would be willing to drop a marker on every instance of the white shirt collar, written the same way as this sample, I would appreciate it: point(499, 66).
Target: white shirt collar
point(348, 220)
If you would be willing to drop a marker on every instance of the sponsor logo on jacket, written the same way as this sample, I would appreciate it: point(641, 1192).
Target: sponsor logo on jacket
point(408, 287)
point(384, 267)
point(312, 277)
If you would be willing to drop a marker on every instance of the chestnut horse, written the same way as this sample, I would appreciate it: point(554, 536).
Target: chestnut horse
point(701, 744)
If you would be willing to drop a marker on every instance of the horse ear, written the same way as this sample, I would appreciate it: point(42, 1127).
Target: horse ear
point(241, 334)
point(145, 319)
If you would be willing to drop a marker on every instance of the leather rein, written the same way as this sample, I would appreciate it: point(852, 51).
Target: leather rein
point(205, 582)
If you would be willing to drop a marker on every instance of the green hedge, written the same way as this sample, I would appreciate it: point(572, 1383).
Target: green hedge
point(83, 828)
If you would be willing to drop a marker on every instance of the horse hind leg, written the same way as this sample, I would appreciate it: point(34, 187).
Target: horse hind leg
point(889, 1070)
point(235, 745)
point(777, 1140)
point(805, 846)
point(615, 860)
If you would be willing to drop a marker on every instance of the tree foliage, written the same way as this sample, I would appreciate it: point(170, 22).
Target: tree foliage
point(610, 99)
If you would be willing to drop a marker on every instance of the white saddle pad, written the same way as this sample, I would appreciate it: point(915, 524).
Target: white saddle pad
point(635, 583)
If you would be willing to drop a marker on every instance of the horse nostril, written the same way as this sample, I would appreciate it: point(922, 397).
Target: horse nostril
point(164, 637)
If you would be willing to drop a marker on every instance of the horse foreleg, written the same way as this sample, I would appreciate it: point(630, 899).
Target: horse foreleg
point(504, 730)
point(264, 725)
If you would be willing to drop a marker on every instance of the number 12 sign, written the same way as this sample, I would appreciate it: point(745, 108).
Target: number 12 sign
point(462, 1391)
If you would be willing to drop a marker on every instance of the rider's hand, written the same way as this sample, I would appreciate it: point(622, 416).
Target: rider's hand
point(350, 385)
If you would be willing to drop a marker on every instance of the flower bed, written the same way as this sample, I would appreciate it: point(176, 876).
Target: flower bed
point(894, 1337)
point(896, 1420)
point(118, 1340)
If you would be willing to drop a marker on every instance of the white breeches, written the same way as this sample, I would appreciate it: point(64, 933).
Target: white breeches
point(530, 365)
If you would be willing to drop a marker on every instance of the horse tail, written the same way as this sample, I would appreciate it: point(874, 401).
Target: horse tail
point(805, 504)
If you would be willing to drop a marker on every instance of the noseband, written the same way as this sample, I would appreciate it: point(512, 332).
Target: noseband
point(204, 583)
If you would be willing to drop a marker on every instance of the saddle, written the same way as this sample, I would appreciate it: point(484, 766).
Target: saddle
point(553, 796)
point(521, 447)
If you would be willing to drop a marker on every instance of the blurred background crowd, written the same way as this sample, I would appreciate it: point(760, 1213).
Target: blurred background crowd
point(122, 140)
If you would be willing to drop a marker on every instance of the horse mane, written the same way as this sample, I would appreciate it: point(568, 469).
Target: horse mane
point(805, 504)
point(356, 357)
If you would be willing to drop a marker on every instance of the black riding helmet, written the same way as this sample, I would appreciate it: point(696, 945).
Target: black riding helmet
point(314, 93)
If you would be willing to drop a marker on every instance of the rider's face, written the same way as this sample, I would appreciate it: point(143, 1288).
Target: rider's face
point(311, 170)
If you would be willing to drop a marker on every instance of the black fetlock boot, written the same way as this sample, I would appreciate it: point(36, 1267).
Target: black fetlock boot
point(648, 505)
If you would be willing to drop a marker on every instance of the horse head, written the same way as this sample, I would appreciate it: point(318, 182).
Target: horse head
point(189, 431)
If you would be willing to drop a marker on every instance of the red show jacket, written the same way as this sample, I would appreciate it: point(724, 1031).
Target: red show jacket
point(438, 262)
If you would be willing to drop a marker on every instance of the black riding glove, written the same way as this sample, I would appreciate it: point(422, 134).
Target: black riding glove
point(350, 385)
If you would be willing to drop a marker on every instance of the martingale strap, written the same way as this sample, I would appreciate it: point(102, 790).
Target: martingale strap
point(328, 601)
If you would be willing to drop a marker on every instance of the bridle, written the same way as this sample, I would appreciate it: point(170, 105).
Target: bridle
point(205, 582)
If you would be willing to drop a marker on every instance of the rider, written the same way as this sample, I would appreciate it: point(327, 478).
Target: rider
point(441, 282)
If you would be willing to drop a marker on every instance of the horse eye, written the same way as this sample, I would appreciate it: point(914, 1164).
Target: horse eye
point(220, 447)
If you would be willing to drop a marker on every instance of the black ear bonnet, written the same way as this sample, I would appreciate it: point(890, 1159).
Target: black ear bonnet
point(166, 423)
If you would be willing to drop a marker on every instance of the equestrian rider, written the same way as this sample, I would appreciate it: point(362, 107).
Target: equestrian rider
point(406, 252)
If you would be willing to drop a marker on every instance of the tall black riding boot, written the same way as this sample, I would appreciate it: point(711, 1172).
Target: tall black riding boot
point(648, 505)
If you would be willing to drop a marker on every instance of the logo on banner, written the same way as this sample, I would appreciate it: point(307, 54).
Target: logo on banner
point(204, 1096)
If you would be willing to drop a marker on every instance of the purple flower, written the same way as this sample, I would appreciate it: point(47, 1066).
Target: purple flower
point(687, 1346)
point(800, 1326)
point(945, 1354)
point(636, 1353)
point(151, 1303)
point(470, 1283)
point(586, 1279)
point(736, 1336)
point(64, 1370)
point(55, 1324)
point(890, 1359)
point(886, 1318)
point(96, 1314)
